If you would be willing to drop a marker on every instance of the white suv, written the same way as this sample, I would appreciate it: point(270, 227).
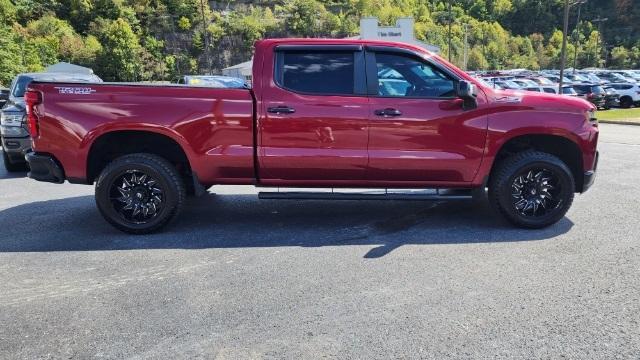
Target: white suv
point(629, 93)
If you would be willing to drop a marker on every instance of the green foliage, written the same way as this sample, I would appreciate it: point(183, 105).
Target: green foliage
point(11, 59)
point(120, 58)
point(8, 12)
point(620, 57)
point(184, 23)
point(161, 39)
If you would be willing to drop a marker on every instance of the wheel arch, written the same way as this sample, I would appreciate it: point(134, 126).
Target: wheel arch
point(110, 145)
point(560, 146)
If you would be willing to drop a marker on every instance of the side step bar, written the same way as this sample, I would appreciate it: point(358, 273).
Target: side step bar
point(369, 194)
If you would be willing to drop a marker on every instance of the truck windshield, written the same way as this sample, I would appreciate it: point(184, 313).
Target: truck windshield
point(21, 86)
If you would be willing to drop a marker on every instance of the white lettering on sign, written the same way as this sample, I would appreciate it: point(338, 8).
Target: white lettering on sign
point(75, 90)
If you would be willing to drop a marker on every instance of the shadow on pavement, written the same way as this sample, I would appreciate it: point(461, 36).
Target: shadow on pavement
point(233, 221)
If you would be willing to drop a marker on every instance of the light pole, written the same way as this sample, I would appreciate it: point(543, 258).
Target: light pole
point(577, 39)
point(450, 21)
point(466, 46)
point(599, 20)
point(563, 52)
point(205, 37)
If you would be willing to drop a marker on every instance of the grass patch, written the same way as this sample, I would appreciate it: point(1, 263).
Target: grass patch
point(625, 115)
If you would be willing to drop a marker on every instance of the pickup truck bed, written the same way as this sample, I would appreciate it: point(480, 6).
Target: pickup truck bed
point(214, 127)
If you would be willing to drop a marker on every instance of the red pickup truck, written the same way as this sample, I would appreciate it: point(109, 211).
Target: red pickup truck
point(321, 113)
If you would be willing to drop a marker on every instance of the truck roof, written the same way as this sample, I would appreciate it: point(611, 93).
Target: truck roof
point(340, 41)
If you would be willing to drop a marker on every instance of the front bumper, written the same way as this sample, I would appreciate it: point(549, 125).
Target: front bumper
point(590, 176)
point(16, 148)
point(44, 168)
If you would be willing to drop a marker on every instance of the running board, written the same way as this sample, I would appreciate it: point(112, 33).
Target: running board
point(369, 194)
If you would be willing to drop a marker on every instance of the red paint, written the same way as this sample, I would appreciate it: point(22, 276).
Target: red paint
point(329, 140)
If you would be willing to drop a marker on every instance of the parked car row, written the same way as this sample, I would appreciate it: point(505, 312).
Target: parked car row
point(603, 88)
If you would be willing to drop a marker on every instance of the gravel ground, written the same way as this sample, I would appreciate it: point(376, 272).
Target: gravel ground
point(238, 278)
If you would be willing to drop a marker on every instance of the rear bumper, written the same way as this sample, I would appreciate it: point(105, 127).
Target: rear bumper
point(16, 148)
point(590, 176)
point(44, 168)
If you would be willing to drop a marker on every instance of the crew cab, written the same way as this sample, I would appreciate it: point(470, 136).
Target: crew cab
point(321, 113)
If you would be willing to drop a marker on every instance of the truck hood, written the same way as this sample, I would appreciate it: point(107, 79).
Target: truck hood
point(540, 101)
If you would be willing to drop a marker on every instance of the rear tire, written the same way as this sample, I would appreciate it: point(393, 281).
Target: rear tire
point(532, 189)
point(13, 167)
point(139, 193)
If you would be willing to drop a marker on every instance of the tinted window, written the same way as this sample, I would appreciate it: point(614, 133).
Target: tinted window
point(400, 75)
point(319, 72)
point(582, 89)
point(597, 90)
point(533, 89)
point(568, 90)
point(550, 91)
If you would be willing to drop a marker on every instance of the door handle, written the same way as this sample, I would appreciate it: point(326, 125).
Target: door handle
point(281, 110)
point(388, 112)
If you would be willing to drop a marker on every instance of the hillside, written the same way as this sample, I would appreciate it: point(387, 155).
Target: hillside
point(133, 40)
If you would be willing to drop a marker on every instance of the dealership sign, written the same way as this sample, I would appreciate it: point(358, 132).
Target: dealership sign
point(402, 32)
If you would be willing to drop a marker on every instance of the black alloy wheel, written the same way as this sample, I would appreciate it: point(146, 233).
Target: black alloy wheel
point(139, 193)
point(532, 189)
point(136, 196)
point(536, 192)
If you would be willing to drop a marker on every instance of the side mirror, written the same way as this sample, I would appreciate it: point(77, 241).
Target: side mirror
point(466, 91)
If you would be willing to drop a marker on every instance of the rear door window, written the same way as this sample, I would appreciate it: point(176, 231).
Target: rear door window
point(318, 72)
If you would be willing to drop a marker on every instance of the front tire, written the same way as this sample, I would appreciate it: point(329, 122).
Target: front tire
point(532, 189)
point(139, 193)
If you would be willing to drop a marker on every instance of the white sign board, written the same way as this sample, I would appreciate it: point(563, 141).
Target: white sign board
point(402, 32)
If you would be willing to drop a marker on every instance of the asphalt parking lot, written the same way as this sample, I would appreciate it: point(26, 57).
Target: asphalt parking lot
point(238, 278)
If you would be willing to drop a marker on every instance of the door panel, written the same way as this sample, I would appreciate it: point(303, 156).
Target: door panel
point(325, 139)
point(320, 136)
point(418, 129)
point(425, 142)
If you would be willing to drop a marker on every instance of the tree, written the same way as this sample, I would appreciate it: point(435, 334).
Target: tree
point(305, 18)
point(8, 12)
point(184, 23)
point(119, 59)
point(11, 59)
point(476, 60)
point(619, 57)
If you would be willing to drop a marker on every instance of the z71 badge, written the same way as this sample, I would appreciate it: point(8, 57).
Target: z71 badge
point(75, 90)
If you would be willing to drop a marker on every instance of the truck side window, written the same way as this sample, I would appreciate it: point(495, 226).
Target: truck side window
point(319, 72)
point(401, 75)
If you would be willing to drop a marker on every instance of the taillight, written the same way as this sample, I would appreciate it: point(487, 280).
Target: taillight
point(31, 99)
point(590, 96)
